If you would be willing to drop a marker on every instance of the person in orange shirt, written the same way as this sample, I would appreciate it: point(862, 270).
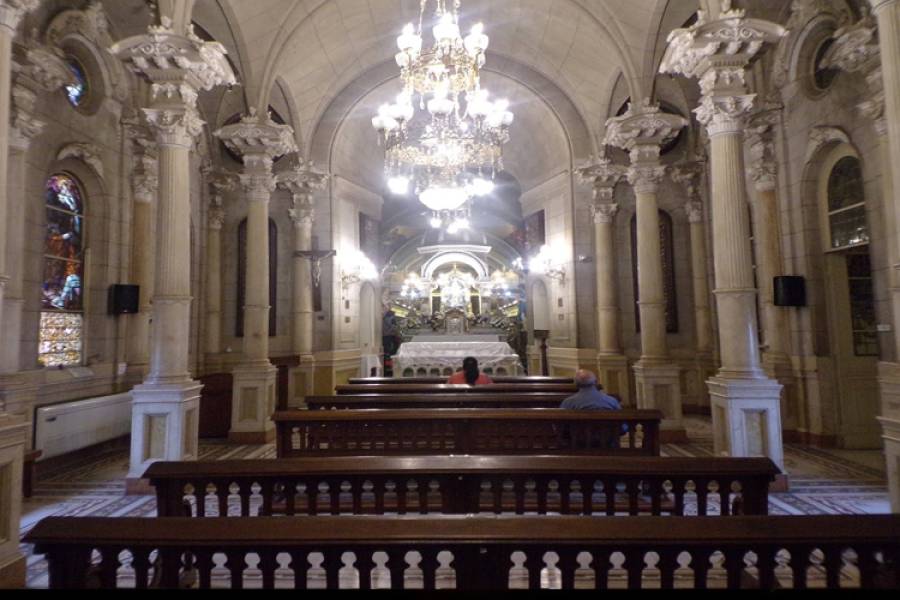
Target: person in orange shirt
point(470, 374)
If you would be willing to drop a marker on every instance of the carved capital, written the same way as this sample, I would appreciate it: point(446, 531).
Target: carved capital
point(645, 178)
point(603, 176)
point(694, 211)
point(301, 180)
point(688, 176)
point(220, 181)
point(762, 166)
point(24, 125)
point(724, 114)
point(176, 126)
point(302, 213)
point(144, 186)
point(855, 48)
point(258, 140)
point(257, 185)
point(12, 11)
point(604, 212)
point(642, 130)
point(215, 217)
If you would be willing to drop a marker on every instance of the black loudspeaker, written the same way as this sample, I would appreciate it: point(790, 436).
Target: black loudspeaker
point(124, 299)
point(790, 291)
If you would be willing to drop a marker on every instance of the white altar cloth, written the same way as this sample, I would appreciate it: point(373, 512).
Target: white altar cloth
point(446, 357)
point(475, 337)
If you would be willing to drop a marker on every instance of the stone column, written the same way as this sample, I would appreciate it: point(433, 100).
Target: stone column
point(887, 13)
point(13, 431)
point(612, 365)
point(220, 182)
point(745, 403)
point(11, 12)
point(258, 140)
point(144, 186)
point(642, 130)
point(165, 407)
point(690, 176)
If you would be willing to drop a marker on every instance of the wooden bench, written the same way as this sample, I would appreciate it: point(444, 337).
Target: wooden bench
point(530, 431)
point(440, 380)
point(496, 388)
point(486, 553)
point(463, 484)
point(529, 400)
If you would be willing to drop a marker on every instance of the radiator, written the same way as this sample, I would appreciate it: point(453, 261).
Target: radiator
point(70, 426)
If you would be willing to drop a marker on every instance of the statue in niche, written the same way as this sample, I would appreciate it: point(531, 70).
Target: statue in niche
point(455, 322)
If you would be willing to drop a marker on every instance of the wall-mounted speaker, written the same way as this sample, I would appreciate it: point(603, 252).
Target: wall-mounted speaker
point(790, 290)
point(123, 299)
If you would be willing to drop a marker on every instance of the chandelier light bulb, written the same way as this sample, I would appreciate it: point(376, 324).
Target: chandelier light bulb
point(436, 222)
point(409, 42)
point(476, 42)
point(398, 185)
point(482, 187)
point(443, 198)
point(446, 31)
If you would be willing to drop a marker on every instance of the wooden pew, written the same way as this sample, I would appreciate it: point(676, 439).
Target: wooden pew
point(487, 552)
point(531, 431)
point(358, 401)
point(438, 380)
point(497, 388)
point(463, 485)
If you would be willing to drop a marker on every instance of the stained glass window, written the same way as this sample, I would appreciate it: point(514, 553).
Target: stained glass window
point(76, 93)
point(846, 204)
point(62, 298)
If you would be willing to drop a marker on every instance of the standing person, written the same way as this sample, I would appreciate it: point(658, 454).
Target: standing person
point(470, 374)
point(390, 333)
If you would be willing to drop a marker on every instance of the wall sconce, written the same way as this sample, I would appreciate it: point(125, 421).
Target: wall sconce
point(357, 269)
point(548, 263)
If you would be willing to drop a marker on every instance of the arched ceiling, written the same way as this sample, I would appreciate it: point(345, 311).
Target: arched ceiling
point(316, 48)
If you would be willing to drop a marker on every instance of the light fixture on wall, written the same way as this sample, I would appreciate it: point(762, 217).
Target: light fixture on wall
point(357, 268)
point(548, 263)
point(443, 134)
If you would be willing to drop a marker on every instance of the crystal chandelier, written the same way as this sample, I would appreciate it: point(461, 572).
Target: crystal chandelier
point(451, 147)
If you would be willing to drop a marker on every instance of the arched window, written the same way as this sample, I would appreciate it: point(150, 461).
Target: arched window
point(62, 304)
point(846, 205)
point(667, 251)
point(242, 273)
point(77, 93)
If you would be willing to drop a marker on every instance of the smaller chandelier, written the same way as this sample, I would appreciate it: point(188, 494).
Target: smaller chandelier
point(413, 288)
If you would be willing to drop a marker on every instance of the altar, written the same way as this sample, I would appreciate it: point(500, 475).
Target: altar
point(445, 357)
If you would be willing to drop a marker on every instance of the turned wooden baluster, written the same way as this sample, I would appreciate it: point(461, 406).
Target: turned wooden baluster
point(235, 562)
point(633, 489)
point(655, 487)
point(268, 563)
point(799, 564)
point(765, 565)
point(565, 490)
point(668, 563)
point(204, 565)
point(567, 565)
point(734, 567)
point(609, 490)
point(140, 562)
point(379, 488)
point(601, 566)
point(429, 566)
point(332, 565)
point(678, 487)
point(700, 566)
point(300, 566)
point(334, 489)
point(396, 565)
point(424, 488)
point(364, 566)
point(534, 563)
point(171, 567)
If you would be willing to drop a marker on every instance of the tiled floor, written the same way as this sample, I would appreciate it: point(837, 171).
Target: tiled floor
point(822, 482)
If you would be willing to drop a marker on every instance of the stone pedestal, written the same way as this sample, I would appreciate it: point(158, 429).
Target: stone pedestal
point(253, 404)
point(13, 431)
point(164, 422)
point(746, 416)
point(658, 387)
point(302, 382)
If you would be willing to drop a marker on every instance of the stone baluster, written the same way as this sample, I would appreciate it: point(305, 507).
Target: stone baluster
point(642, 131)
point(887, 14)
point(221, 182)
point(165, 407)
point(612, 365)
point(144, 187)
point(258, 140)
point(745, 403)
point(690, 177)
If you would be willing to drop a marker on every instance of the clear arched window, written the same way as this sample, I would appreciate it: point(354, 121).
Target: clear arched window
point(77, 92)
point(846, 205)
point(62, 302)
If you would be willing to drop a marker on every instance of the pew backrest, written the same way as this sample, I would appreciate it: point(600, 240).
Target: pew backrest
point(375, 400)
point(464, 485)
point(444, 388)
point(485, 553)
point(439, 380)
point(466, 431)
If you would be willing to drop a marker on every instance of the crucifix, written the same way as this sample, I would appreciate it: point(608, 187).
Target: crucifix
point(316, 257)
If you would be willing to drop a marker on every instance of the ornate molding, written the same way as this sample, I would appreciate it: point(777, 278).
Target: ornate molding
point(820, 137)
point(90, 23)
point(762, 165)
point(24, 125)
point(603, 176)
point(174, 126)
point(642, 130)
point(87, 153)
point(46, 67)
point(604, 212)
point(689, 175)
point(220, 181)
point(258, 140)
point(645, 179)
point(301, 179)
point(257, 186)
point(855, 48)
point(215, 217)
point(694, 211)
point(12, 11)
point(724, 114)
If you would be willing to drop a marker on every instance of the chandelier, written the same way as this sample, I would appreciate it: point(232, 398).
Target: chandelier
point(451, 147)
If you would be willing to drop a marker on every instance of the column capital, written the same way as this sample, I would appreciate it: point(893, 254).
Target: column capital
point(220, 181)
point(724, 114)
point(302, 213)
point(642, 130)
point(257, 185)
point(175, 126)
point(145, 158)
point(688, 175)
point(258, 140)
point(215, 216)
point(762, 166)
point(12, 11)
point(694, 211)
point(645, 178)
point(25, 126)
point(603, 176)
point(604, 212)
point(301, 179)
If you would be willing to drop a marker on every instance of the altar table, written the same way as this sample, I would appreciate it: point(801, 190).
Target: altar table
point(446, 357)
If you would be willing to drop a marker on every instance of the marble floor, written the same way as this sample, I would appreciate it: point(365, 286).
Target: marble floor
point(821, 482)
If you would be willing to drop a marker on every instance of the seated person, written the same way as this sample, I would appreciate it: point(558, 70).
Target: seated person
point(589, 397)
point(470, 374)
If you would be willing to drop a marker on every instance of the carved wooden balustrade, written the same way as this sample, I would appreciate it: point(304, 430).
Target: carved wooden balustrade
point(466, 431)
point(463, 485)
point(471, 552)
point(357, 401)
